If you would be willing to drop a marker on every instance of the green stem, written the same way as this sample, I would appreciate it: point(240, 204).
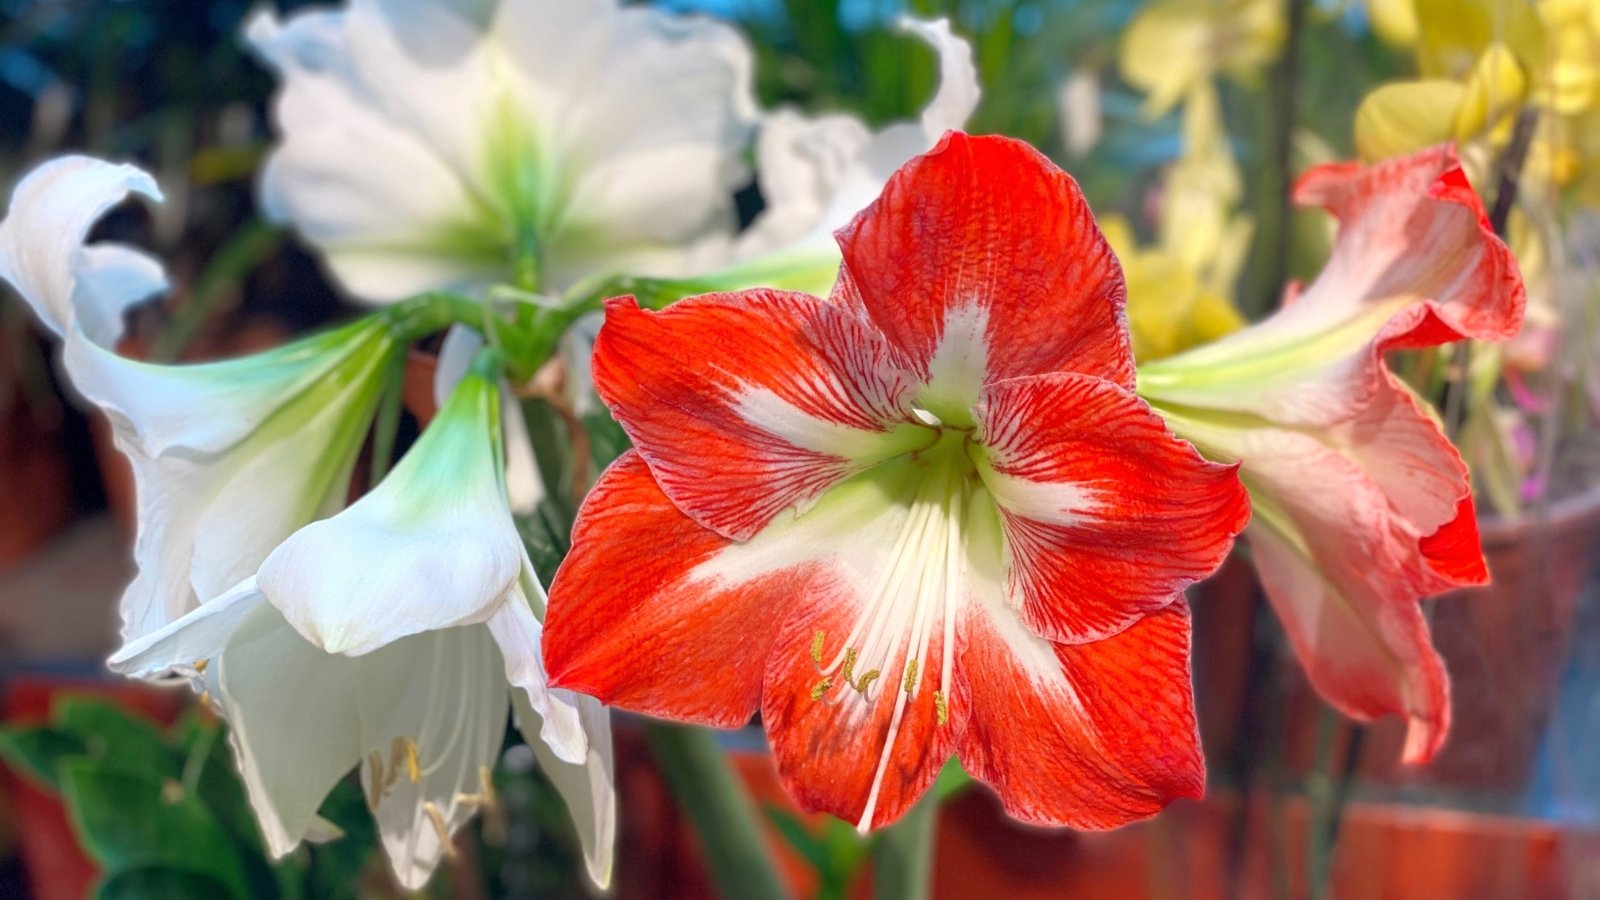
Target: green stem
point(1322, 797)
point(902, 862)
point(387, 425)
point(417, 317)
point(710, 795)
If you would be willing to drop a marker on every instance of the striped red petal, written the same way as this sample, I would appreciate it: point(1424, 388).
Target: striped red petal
point(1090, 735)
point(982, 261)
point(748, 404)
point(1107, 516)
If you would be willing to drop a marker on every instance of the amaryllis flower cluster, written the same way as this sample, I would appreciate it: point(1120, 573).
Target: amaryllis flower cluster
point(925, 517)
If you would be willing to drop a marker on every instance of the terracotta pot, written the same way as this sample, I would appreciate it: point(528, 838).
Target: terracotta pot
point(35, 480)
point(35, 476)
point(417, 388)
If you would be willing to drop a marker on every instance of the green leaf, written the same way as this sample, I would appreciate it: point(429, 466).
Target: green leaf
point(607, 440)
point(127, 819)
point(336, 866)
point(159, 883)
point(112, 734)
point(798, 836)
point(36, 751)
point(952, 780)
point(545, 534)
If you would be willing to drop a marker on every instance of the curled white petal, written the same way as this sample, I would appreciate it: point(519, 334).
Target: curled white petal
point(42, 250)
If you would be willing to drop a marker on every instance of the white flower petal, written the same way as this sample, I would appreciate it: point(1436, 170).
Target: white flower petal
point(610, 135)
point(957, 97)
point(460, 345)
point(393, 218)
point(517, 630)
point(431, 547)
point(43, 256)
point(229, 458)
point(524, 485)
point(200, 635)
point(589, 789)
point(818, 172)
point(453, 705)
point(295, 718)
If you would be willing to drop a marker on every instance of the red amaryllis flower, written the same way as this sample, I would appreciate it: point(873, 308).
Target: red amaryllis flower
point(926, 517)
point(1362, 506)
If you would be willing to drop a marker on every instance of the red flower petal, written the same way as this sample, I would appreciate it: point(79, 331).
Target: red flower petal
point(1090, 735)
point(1107, 516)
point(838, 752)
point(629, 624)
point(1364, 646)
point(1413, 227)
point(1344, 571)
point(982, 261)
point(748, 404)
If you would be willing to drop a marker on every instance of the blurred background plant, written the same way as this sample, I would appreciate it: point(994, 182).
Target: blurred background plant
point(1185, 121)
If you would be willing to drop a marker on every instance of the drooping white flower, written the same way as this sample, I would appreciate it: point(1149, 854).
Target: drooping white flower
point(396, 635)
point(428, 144)
point(228, 458)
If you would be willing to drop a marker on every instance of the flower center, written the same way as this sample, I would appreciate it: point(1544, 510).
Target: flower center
point(914, 595)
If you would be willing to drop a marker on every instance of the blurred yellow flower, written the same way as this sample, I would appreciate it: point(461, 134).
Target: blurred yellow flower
point(1178, 290)
point(1482, 61)
point(1173, 46)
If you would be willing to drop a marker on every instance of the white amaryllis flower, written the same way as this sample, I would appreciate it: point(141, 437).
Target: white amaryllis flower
point(396, 635)
point(228, 458)
point(429, 144)
point(817, 172)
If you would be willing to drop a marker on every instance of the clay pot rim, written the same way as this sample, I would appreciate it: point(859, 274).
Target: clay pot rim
point(1570, 512)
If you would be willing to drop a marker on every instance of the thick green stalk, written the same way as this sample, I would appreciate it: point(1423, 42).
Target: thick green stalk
point(709, 793)
point(387, 426)
point(902, 861)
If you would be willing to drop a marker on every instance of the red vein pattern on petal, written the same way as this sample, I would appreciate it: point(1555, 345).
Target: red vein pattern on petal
point(989, 226)
point(628, 625)
point(1417, 224)
point(748, 404)
point(1092, 735)
point(829, 750)
point(1107, 515)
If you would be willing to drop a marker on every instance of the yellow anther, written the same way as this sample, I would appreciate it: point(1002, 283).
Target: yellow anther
point(205, 698)
point(816, 647)
point(397, 759)
point(374, 780)
point(436, 818)
point(941, 707)
point(866, 681)
point(850, 665)
point(486, 785)
point(820, 688)
point(200, 666)
point(413, 762)
point(911, 676)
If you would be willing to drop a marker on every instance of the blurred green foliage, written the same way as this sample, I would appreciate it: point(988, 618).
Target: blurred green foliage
point(164, 815)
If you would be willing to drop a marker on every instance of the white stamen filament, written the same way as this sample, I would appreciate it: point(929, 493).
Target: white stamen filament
point(911, 595)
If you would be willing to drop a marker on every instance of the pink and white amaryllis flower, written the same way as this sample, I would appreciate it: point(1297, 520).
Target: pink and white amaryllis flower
point(1362, 506)
point(926, 517)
